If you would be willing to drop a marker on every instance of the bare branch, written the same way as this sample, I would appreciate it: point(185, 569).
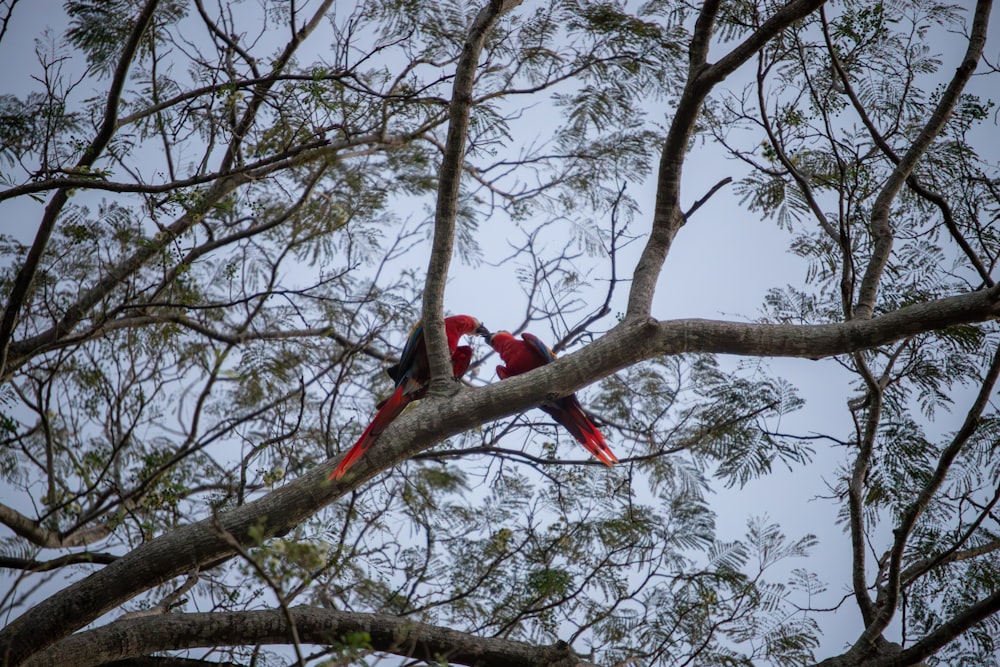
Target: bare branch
point(36, 534)
point(708, 195)
point(5, 20)
point(32, 565)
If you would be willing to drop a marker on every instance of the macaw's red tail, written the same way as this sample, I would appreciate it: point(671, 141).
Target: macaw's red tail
point(388, 410)
point(568, 412)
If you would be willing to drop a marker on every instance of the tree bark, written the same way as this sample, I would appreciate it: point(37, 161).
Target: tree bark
point(449, 185)
point(136, 637)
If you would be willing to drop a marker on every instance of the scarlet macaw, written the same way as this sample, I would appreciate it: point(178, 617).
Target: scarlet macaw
point(412, 376)
point(521, 356)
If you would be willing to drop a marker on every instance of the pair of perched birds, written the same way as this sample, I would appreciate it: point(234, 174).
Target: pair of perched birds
point(412, 375)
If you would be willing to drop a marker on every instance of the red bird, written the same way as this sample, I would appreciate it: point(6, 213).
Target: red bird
point(521, 356)
point(412, 375)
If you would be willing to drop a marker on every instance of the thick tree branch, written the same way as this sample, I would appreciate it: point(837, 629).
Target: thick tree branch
point(388, 634)
point(953, 555)
point(768, 30)
point(880, 227)
point(181, 550)
point(36, 534)
point(449, 182)
point(667, 215)
point(866, 437)
point(945, 633)
point(890, 655)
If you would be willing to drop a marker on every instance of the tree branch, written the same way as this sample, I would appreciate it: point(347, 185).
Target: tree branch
point(75, 313)
point(941, 636)
point(36, 534)
point(912, 181)
point(708, 195)
point(953, 555)
point(768, 30)
point(449, 181)
point(889, 594)
point(881, 229)
point(389, 634)
point(667, 216)
point(32, 565)
point(314, 149)
point(856, 487)
point(260, 91)
point(5, 19)
point(226, 181)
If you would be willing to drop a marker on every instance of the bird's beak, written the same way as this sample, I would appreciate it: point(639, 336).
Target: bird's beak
point(483, 331)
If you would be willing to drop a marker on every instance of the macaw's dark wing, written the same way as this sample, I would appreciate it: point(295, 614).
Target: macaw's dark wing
point(539, 348)
point(408, 357)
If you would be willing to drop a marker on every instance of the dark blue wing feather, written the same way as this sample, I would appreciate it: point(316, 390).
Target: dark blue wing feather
point(408, 357)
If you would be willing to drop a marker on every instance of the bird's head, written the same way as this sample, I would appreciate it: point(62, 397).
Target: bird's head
point(462, 325)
